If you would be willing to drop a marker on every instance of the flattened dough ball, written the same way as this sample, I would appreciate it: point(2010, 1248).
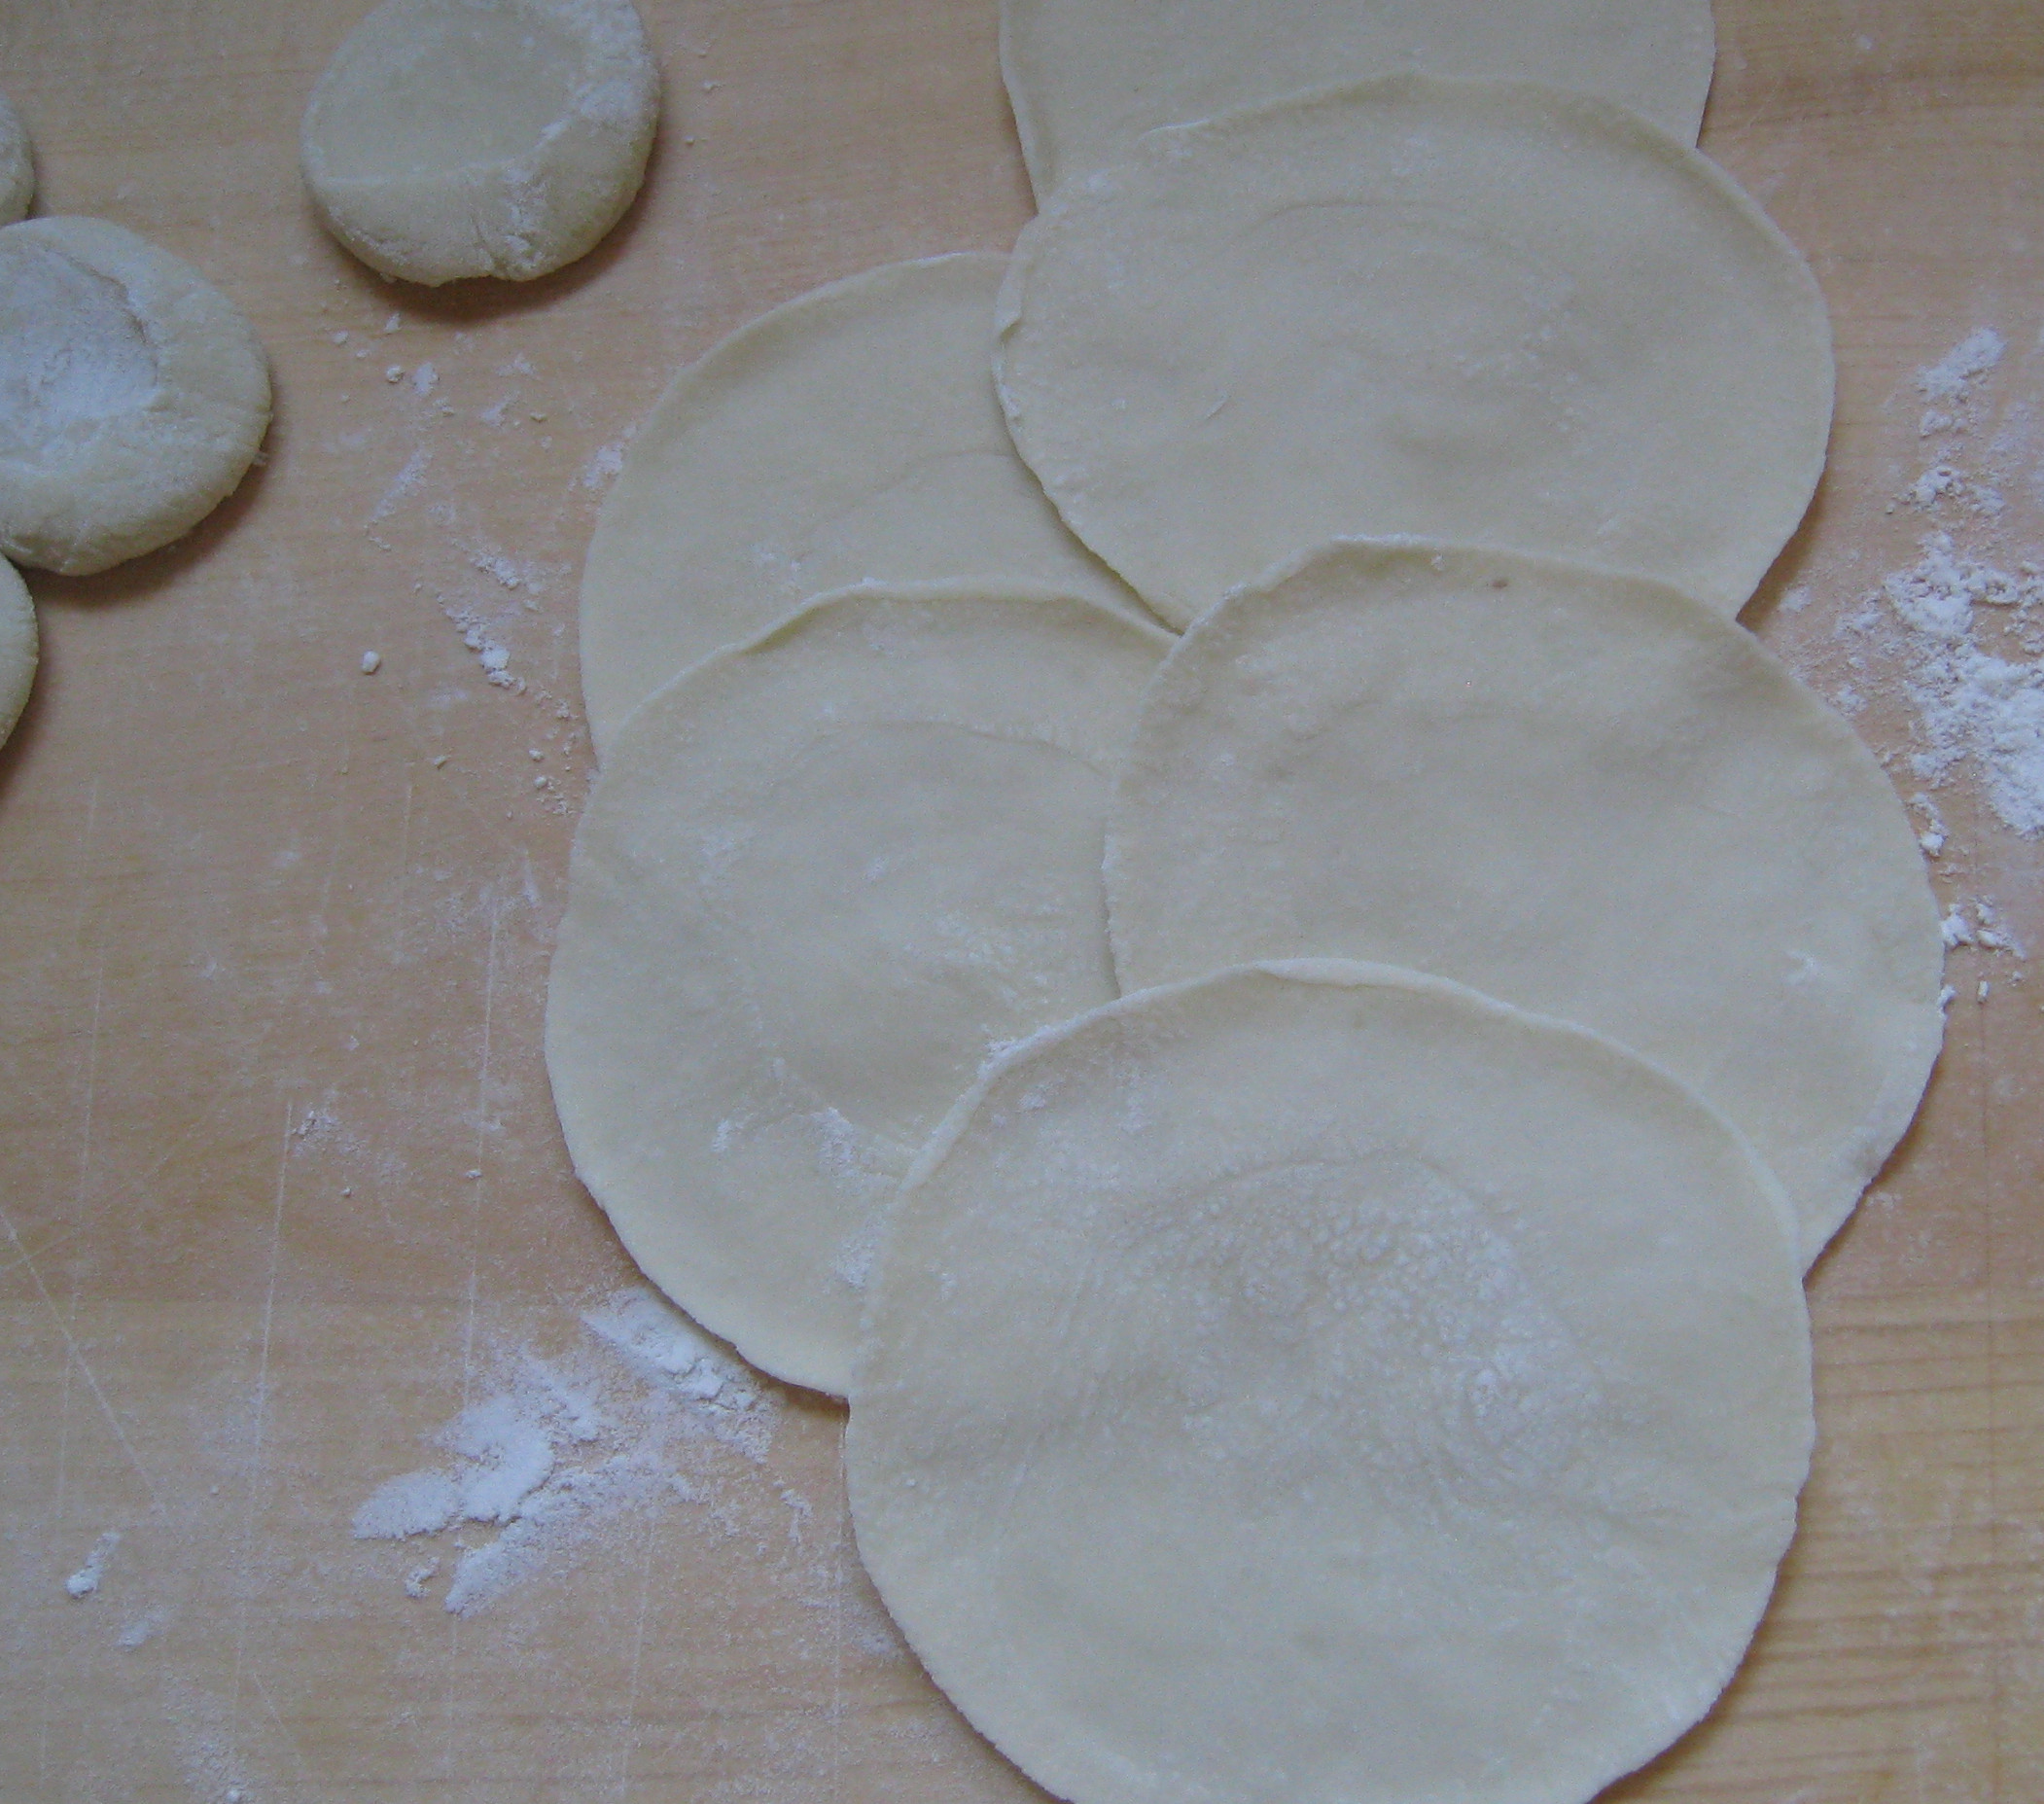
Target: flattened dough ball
point(17, 648)
point(822, 875)
point(1087, 76)
point(134, 394)
point(1584, 794)
point(16, 166)
point(451, 138)
point(1322, 1384)
point(852, 434)
point(1482, 313)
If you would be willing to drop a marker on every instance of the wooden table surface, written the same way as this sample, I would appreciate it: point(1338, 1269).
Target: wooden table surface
point(281, 1189)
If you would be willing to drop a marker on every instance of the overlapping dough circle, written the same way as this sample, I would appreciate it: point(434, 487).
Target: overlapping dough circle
point(1324, 1383)
point(1583, 793)
point(1085, 76)
point(821, 875)
point(851, 434)
point(19, 648)
point(1487, 313)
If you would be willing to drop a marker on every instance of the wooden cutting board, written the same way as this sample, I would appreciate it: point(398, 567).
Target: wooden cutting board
point(281, 1190)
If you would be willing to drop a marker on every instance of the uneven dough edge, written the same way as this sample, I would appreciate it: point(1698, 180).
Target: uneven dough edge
point(1862, 1153)
point(20, 647)
point(793, 1360)
point(1164, 141)
point(1336, 973)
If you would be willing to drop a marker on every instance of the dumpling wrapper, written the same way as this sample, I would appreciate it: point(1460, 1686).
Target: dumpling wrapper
point(1585, 795)
point(1486, 313)
point(1320, 1383)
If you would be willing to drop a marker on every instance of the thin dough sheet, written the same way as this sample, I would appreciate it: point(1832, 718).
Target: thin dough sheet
point(1487, 313)
point(1586, 795)
point(850, 436)
point(1085, 76)
point(821, 876)
point(1318, 1382)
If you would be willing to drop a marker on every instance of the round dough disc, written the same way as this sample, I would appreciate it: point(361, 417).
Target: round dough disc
point(16, 166)
point(821, 875)
point(17, 648)
point(1583, 793)
point(852, 434)
point(1487, 313)
point(134, 394)
point(451, 138)
point(1086, 76)
point(1321, 1383)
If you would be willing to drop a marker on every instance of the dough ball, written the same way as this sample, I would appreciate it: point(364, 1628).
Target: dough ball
point(822, 875)
point(1485, 313)
point(451, 138)
point(1586, 795)
point(1085, 76)
point(134, 394)
point(1322, 1384)
point(851, 434)
point(16, 166)
point(17, 648)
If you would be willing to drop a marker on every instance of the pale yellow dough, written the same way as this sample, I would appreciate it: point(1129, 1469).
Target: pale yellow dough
point(1322, 1385)
point(452, 138)
point(17, 648)
point(1481, 313)
point(134, 394)
point(822, 874)
point(1087, 76)
point(851, 434)
point(1584, 794)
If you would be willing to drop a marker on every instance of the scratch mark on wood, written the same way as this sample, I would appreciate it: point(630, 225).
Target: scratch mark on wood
point(627, 1730)
point(57, 1522)
point(256, 1434)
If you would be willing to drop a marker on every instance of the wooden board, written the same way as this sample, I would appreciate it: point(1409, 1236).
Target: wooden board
point(281, 1191)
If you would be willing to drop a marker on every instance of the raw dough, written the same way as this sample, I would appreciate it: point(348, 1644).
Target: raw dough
point(821, 875)
point(17, 648)
point(1322, 1384)
point(1584, 794)
point(134, 394)
point(450, 138)
point(851, 434)
point(1087, 76)
point(16, 166)
point(1484, 312)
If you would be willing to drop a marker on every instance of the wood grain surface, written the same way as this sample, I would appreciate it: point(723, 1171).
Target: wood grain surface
point(281, 1190)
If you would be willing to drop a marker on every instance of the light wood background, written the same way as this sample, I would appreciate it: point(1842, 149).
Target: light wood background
point(271, 973)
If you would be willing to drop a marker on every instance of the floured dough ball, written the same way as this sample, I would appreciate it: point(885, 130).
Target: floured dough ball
point(1087, 76)
point(16, 166)
point(134, 394)
point(1584, 794)
point(17, 648)
point(452, 138)
point(1482, 313)
point(822, 873)
point(1322, 1384)
point(851, 434)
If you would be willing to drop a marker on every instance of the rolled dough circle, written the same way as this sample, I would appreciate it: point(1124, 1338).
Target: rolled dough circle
point(16, 166)
point(17, 648)
point(452, 138)
point(821, 875)
point(1584, 794)
point(1086, 78)
point(851, 434)
point(1485, 313)
point(1321, 1383)
point(134, 394)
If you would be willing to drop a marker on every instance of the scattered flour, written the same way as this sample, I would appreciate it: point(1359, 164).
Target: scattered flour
point(85, 1580)
point(565, 1446)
